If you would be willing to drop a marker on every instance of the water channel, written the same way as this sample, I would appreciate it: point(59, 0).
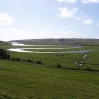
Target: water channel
point(24, 49)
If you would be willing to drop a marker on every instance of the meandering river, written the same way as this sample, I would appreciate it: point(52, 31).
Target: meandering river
point(24, 49)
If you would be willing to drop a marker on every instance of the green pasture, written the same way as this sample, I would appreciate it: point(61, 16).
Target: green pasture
point(30, 80)
point(54, 50)
point(64, 59)
point(19, 80)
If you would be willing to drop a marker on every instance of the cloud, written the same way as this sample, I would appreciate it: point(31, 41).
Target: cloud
point(90, 1)
point(84, 18)
point(68, 1)
point(68, 33)
point(6, 19)
point(49, 26)
point(12, 33)
point(73, 1)
point(87, 21)
point(58, 34)
point(78, 18)
point(66, 13)
point(61, 1)
point(84, 15)
point(98, 24)
point(15, 34)
point(89, 30)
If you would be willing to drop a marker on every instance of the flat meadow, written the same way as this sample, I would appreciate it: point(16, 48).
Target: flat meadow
point(57, 76)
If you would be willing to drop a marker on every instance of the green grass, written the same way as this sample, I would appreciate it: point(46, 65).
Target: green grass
point(50, 59)
point(20, 80)
point(23, 80)
point(55, 50)
point(66, 60)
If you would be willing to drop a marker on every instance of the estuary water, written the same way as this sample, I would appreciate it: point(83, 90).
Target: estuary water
point(24, 49)
point(19, 44)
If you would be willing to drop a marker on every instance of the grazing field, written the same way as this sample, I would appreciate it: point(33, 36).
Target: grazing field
point(67, 60)
point(50, 75)
point(19, 80)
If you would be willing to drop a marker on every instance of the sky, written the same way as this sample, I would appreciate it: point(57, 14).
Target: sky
point(36, 19)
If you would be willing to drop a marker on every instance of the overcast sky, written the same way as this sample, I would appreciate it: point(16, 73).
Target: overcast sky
point(34, 19)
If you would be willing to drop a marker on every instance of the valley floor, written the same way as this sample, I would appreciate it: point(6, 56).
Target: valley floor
point(19, 80)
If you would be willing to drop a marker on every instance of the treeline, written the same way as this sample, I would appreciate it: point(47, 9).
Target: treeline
point(25, 60)
point(4, 43)
point(5, 55)
point(63, 41)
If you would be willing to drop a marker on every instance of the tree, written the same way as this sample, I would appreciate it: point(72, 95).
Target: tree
point(4, 54)
point(59, 65)
point(39, 62)
point(18, 59)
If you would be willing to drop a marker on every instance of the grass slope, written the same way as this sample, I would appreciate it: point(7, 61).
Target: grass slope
point(61, 41)
point(66, 60)
point(19, 80)
point(23, 80)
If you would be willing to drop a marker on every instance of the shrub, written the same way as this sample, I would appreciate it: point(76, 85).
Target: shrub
point(13, 59)
point(7, 56)
point(59, 65)
point(23, 60)
point(88, 68)
point(18, 59)
point(4, 54)
point(29, 60)
point(39, 62)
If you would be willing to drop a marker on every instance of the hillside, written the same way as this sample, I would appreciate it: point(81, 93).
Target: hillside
point(51, 75)
point(4, 43)
point(63, 41)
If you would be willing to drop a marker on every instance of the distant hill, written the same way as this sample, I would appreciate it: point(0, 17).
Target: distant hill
point(4, 43)
point(63, 41)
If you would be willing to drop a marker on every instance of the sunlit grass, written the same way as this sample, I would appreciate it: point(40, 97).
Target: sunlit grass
point(24, 80)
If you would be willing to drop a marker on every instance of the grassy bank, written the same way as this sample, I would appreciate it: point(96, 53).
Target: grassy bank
point(56, 77)
point(31, 81)
point(65, 60)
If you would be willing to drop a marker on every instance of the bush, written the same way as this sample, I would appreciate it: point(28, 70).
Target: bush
point(59, 65)
point(88, 68)
point(29, 60)
point(4, 54)
point(13, 59)
point(23, 60)
point(7, 56)
point(18, 59)
point(39, 62)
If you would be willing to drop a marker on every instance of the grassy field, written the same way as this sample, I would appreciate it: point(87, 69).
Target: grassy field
point(30, 80)
point(66, 60)
point(19, 80)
